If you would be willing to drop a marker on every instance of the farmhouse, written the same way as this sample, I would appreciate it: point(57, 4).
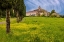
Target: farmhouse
point(38, 12)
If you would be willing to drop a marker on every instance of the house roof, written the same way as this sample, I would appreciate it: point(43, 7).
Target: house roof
point(37, 10)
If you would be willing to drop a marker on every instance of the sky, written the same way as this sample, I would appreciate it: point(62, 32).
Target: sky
point(57, 5)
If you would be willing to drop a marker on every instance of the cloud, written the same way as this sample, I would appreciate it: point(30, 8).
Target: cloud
point(45, 4)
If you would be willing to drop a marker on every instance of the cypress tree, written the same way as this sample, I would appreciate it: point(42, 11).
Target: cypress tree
point(6, 5)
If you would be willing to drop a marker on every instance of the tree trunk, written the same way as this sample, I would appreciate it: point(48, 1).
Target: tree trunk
point(17, 15)
point(0, 14)
point(20, 18)
point(7, 20)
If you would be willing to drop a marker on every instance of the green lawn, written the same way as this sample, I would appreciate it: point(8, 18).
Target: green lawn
point(2, 19)
point(34, 29)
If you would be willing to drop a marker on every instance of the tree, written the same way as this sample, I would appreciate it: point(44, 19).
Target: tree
point(12, 14)
point(22, 11)
point(0, 14)
point(62, 16)
point(16, 5)
point(6, 5)
point(19, 8)
point(53, 11)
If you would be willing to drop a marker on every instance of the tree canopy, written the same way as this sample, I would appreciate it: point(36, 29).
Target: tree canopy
point(53, 11)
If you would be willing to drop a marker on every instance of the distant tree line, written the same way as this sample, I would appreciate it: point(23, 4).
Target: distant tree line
point(53, 14)
point(62, 16)
point(53, 11)
point(12, 8)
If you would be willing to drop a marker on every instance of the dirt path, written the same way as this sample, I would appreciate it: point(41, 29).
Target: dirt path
point(3, 22)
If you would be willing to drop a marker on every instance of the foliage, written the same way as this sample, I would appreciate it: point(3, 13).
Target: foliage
point(62, 16)
point(53, 11)
point(53, 16)
point(0, 14)
point(20, 9)
point(12, 14)
point(5, 4)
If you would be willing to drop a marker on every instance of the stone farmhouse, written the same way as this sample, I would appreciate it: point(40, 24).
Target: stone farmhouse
point(38, 12)
point(41, 12)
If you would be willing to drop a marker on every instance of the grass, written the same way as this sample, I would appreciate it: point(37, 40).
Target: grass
point(34, 29)
point(2, 19)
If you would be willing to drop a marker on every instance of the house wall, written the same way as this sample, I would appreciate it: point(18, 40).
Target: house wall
point(31, 13)
point(45, 13)
point(37, 12)
point(41, 14)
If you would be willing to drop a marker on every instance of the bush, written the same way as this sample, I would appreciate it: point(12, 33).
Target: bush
point(43, 15)
point(62, 16)
point(53, 16)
